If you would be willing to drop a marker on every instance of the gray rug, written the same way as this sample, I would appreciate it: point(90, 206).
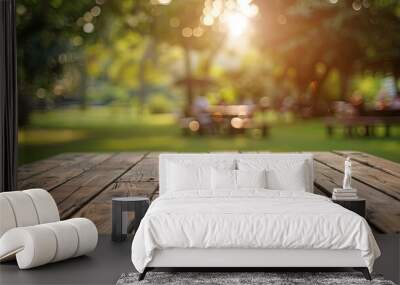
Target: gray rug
point(269, 278)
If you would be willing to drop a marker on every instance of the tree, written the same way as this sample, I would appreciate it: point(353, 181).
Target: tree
point(311, 38)
point(47, 34)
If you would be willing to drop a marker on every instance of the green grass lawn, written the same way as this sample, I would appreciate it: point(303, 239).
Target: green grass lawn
point(105, 129)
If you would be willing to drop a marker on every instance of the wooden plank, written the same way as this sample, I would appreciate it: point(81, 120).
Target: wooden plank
point(83, 184)
point(140, 180)
point(75, 193)
point(28, 170)
point(147, 170)
point(59, 175)
point(373, 161)
point(121, 160)
point(125, 189)
point(155, 194)
point(99, 214)
point(375, 178)
point(383, 212)
point(318, 191)
point(80, 187)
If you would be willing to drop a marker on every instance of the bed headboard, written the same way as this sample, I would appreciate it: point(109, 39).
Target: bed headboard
point(193, 157)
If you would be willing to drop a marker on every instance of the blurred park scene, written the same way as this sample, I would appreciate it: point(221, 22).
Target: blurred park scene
point(208, 75)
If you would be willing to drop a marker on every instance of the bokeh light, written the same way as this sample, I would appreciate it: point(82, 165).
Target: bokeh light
point(174, 22)
point(194, 126)
point(88, 28)
point(237, 123)
point(187, 32)
point(88, 17)
point(357, 5)
point(198, 32)
point(95, 11)
point(208, 20)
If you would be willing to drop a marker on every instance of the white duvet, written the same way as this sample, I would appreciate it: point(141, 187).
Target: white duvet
point(250, 219)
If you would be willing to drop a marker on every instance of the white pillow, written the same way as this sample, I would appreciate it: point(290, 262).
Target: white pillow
point(193, 174)
point(223, 179)
point(227, 179)
point(251, 178)
point(293, 180)
point(282, 174)
point(188, 177)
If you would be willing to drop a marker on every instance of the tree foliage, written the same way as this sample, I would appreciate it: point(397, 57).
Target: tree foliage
point(311, 38)
point(69, 47)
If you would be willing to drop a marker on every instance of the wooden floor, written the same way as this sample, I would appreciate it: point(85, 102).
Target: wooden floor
point(83, 183)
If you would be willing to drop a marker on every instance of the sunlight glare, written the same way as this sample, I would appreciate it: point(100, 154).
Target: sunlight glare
point(164, 2)
point(236, 24)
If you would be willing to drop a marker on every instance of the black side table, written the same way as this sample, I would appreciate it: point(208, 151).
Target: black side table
point(120, 208)
point(357, 205)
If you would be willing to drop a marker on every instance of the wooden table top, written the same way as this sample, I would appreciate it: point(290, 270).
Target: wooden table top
point(84, 183)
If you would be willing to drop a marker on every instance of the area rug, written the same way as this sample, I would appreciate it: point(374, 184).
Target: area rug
point(268, 278)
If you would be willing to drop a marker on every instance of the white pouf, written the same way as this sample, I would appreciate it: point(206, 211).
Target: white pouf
point(87, 235)
point(31, 232)
point(7, 219)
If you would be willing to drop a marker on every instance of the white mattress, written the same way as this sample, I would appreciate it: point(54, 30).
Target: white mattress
point(266, 219)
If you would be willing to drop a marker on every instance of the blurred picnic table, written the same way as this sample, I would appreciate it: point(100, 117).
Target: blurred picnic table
point(361, 122)
point(224, 119)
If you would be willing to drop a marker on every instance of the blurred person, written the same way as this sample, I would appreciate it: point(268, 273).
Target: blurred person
point(358, 103)
point(395, 104)
point(343, 109)
point(200, 104)
point(288, 104)
point(382, 100)
point(201, 111)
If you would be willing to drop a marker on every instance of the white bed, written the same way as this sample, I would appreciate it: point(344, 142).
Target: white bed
point(206, 220)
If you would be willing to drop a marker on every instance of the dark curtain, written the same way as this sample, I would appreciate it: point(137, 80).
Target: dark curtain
point(8, 97)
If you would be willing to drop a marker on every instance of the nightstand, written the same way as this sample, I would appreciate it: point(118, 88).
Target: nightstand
point(357, 205)
point(121, 206)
